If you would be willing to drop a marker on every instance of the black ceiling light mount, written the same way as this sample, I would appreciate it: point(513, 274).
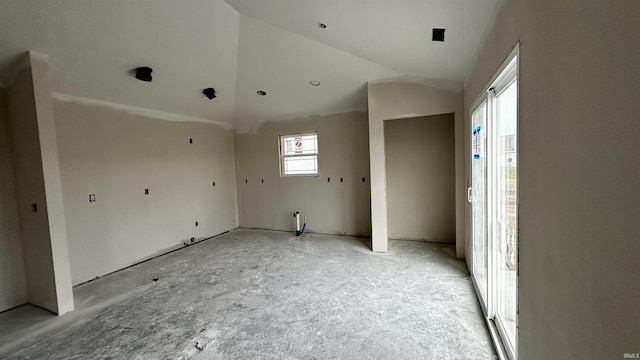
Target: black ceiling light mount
point(144, 73)
point(261, 92)
point(322, 25)
point(438, 35)
point(210, 93)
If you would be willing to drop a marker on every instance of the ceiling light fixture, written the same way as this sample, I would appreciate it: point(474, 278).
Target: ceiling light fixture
point(322, 26)
point(262, 92)
point(210, 93)
point(314, 83)
point(144, 73)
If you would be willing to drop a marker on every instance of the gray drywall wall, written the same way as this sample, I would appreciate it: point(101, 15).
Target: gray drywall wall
point(116, 153)
point(13, 286)
point(389, 100)
point(30, 189)
point(579, 170)
point(52, 183)
point(331, 207)
point(420, 155)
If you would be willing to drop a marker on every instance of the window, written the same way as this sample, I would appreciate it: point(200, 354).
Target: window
point(299, 154)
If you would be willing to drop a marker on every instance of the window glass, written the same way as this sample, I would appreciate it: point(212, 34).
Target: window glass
point(299, 154)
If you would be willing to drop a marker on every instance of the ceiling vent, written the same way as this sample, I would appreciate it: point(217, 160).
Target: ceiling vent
point(210, 93)
point(144, 73)
point(438, 35)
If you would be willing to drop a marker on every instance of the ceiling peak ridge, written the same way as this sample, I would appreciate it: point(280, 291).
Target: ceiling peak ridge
point(319, 42)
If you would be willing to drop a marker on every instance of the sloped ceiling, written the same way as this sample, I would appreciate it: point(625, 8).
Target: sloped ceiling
point(239, 47)
point(392, 33)
point(283, 64)
point(94, 44)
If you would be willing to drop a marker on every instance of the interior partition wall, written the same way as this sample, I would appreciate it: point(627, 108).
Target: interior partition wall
point(493, 195)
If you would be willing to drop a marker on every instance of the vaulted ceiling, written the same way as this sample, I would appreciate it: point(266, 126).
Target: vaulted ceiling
point(239, 47)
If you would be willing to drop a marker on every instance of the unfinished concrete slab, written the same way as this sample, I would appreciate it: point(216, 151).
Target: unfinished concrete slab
point(266, 295)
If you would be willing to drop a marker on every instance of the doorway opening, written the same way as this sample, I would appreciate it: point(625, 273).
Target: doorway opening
point(420, 172)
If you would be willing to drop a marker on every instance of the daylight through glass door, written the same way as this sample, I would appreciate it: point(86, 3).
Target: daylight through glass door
point(493, 194)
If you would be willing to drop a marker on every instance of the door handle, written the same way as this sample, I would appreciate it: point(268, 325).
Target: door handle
point(472, 194)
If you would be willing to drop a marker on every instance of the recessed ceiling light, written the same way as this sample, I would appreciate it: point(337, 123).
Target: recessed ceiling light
point(262, 92)
point(322, 26)
point(314, 83)
point(438, 35)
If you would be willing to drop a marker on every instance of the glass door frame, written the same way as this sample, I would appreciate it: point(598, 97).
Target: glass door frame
point(483, 296)
point(506, 74)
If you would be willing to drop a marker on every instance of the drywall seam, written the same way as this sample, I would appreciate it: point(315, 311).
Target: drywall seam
point(135, 110)
point(442, 84)
point(305, 117)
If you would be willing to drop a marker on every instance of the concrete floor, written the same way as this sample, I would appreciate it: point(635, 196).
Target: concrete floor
point(253, 294)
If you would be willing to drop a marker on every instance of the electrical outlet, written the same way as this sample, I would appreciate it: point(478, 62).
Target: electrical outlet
point(214, 183)
point(34, 207)
point(146, 191)
point(92, 198)
point(196, 223)
point(190, 141)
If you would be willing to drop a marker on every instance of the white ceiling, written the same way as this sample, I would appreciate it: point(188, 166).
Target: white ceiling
point(283, 64)
point(392, 33)
point(94, 44)
point(271, 45)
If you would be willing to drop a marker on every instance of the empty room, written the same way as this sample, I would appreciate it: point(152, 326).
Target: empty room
point(304, 179)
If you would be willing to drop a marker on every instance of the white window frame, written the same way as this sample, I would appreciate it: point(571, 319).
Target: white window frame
point(281, 139)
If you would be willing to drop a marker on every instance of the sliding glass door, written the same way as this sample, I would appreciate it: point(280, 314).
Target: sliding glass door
point(477, 196)
point(506, 219)
point(493, 194)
